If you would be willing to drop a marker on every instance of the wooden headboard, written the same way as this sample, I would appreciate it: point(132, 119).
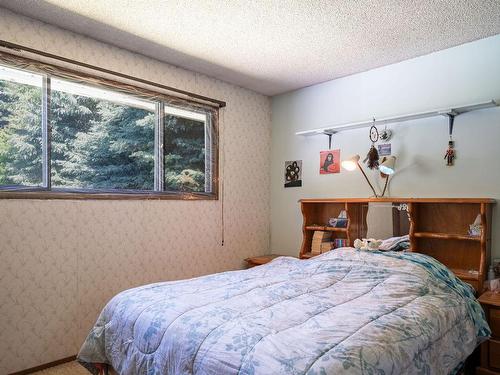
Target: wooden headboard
point(438, 227)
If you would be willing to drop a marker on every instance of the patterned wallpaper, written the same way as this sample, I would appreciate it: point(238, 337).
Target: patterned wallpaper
point(61, 261)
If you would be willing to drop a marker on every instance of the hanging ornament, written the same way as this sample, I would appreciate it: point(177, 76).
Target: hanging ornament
point(372, 157)
point(386, 134)
point(450, 152)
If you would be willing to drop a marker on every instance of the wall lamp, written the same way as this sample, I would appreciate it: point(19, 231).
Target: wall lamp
point(386, 169)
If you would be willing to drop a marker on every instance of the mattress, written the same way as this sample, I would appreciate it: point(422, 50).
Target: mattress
point(344, 312)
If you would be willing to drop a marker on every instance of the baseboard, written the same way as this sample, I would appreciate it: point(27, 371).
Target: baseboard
point(45, 366)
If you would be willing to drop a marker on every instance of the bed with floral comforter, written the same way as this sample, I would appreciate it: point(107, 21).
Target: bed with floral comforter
point(344, 312)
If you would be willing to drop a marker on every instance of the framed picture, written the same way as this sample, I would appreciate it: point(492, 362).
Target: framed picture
point(293, 173)
point(384, 149)
point(329, 162)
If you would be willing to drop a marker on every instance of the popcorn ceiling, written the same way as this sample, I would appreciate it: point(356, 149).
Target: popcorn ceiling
point(274, 46)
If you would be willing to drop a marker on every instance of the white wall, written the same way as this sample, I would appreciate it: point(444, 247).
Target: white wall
point(61, 261)
point(460, 75)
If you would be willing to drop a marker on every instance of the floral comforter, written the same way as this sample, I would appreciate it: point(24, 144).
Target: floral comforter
point(344, 312)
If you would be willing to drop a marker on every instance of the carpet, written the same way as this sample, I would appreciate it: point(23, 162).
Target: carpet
point(70, 368)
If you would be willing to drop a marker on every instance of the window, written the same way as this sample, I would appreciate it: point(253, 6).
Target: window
point(67, 135)
point(185, 150)
point(20, 128)
point(99, 139)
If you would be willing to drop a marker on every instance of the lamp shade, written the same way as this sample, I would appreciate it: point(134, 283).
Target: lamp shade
point(351, 163)
point(387, 166)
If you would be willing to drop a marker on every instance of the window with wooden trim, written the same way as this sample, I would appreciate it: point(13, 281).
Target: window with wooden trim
point(67, 135)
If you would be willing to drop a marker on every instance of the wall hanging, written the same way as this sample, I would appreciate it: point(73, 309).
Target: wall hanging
point(386, 134)
point(371, 159)
point(450, 152)
point(293, 173)
point(384, 149)
point(329, 161)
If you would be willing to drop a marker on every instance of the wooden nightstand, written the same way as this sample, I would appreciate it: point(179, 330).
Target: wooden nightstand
point(490, 350)
point(263, 259)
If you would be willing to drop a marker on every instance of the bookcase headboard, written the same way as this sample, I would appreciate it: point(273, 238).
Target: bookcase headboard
point(438, 227)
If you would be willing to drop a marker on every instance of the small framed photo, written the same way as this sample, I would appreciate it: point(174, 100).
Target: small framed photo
point(384, 149)
point(293, 173)
point(329, 162)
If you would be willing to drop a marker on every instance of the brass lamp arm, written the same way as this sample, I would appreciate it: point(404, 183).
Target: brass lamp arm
point(367, 180)
point(385, 185)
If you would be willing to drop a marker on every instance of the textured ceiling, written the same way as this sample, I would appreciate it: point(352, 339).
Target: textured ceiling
point(273, 46)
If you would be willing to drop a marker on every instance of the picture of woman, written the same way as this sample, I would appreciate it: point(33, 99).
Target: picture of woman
point(329, 161)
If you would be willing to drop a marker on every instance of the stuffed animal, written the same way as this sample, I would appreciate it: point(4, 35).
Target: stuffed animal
point(367, 244)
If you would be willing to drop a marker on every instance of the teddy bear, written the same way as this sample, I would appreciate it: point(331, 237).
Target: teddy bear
point(367, 244)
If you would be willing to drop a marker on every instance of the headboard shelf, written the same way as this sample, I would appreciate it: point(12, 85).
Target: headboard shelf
point(465, 274)
point(325, 227)
point(438, 227)
point(398, 200)
point(446, 236)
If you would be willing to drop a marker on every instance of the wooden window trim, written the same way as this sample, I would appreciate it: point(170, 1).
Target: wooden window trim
point(42, 194)
point(46, 192)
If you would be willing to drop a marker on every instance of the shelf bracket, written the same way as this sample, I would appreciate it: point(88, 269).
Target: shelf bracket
point(330, 134)
point(451, 121)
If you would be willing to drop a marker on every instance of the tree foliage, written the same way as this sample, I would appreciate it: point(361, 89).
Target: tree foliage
point(116, 152)
point(21, 139)
point(184, 145)
point(94, 143)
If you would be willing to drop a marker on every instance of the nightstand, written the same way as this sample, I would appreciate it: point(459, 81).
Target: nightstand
point(263, 259)
point(490, 350)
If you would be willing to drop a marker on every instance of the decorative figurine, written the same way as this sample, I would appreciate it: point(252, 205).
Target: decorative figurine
point(450, 154)
point(497, 269)
point(386, 134)
point(476, 227)
point(340, 221)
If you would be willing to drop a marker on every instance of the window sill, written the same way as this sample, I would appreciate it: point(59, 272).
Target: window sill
point(105, 195)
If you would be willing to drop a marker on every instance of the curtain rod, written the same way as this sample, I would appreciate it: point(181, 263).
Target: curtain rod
point(21, 48)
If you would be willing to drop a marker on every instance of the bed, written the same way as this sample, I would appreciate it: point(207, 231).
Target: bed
point(344, 312)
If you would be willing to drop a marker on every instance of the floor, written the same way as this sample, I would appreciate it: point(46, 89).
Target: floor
point(70, 368)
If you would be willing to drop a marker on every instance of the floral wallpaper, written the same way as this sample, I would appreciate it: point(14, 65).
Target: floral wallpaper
point(61, 261)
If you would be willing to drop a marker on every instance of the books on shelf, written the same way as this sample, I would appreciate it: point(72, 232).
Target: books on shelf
point(326, 246)
point(340, 242)
point(321, 242)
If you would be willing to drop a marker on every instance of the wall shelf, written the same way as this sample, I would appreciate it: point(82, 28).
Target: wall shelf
point(449, 111)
